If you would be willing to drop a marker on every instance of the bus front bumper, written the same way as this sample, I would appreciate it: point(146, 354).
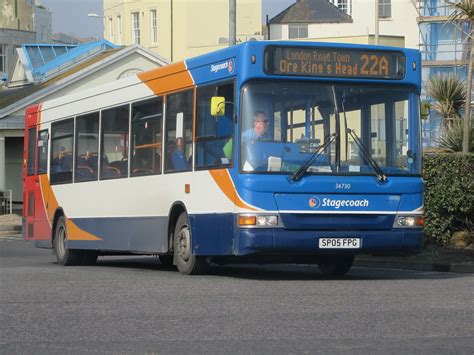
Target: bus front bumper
point(259, 240)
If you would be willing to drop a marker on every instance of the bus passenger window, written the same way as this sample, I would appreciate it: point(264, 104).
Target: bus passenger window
point(214, 146)
point(87, 147)
point(114, 143)
point(62, 136)
point(147, 118)
point(179, 131)
point(42, 152)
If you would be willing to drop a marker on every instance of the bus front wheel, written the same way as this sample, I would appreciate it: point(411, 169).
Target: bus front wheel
point(335, 265)
point(186, 262)
point(64, 255)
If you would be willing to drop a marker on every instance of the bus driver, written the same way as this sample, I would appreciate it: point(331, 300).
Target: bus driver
point(259, 131)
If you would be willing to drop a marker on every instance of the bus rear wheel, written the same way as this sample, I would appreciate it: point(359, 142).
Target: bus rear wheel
point(186, 262)
point(335, 265)
point(64, 255)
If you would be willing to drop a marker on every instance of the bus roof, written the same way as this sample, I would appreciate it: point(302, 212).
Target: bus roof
point(244, 61)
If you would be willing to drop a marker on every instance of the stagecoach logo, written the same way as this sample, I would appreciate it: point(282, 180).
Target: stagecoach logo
point(314, 202)
point(229, 65)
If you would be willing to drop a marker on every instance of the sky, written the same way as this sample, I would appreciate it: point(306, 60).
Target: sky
point(70, 16)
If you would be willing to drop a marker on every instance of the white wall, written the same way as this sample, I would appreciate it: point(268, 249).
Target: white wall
point(402, 23)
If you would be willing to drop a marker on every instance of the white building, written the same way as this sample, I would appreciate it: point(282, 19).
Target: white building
point(348, 21)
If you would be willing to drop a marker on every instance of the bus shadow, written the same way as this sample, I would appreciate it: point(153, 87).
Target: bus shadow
point(279, 272)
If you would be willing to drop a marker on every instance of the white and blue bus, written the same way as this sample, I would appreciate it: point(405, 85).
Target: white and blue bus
point(265, 151)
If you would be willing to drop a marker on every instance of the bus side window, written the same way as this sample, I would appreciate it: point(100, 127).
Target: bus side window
point(43, 151)
point(62, 136)
point(147, 119)
point(87, 147)
point(179, 131)
point(114, 142)
point(214, 134)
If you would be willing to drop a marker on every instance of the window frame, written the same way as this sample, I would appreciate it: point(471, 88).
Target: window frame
point(45, 171)
point(32, 152)
point(76, 147)
point(131, 143)
point(203, 139)
point(298, 27)
point(51, 151)
point(135, 15)
point(166, 170)
point(119, 29)
point(153, 26)
point(102, 142)
point(385, 9)
point(3, 58)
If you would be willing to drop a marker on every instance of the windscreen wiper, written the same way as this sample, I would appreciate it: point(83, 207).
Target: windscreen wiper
point(368, 157)
point(298, 174)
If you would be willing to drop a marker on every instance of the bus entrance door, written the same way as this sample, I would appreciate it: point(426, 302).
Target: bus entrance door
point(36, 223)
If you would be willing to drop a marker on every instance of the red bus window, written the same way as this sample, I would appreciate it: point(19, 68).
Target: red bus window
point(31, 151)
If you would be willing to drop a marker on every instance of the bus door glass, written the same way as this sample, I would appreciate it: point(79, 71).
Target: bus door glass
point(36, 164)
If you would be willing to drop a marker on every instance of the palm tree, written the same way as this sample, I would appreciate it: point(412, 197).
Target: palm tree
point(464, 12)
point(449, 93)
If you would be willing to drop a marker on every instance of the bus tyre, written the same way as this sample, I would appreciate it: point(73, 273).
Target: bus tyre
point(64, 255)
point(186, 262)
point(335, 265)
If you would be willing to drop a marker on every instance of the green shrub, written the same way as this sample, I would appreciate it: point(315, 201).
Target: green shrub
point(449, 195)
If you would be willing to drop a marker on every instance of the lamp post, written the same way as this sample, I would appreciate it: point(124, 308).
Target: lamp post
point(232, 24)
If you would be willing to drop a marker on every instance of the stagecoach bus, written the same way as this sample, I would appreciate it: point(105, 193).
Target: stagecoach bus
point(264, 152)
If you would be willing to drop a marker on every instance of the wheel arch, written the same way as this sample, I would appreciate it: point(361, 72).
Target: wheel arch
point(176, 209)
point(58, 213)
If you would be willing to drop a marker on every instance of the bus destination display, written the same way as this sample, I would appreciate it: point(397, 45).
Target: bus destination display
point(334, 62)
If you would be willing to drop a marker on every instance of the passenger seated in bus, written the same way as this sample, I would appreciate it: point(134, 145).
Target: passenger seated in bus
point(259, 131)
point(85, 166)
point(178, 158)
point(106, 169)
point(61, 162)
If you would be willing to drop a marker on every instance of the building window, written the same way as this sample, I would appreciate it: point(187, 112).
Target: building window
point(298, 31)
point(111, 29)
point(343, 5)
point(154, 29)
point(3, 58)
point(119, 30)
point(385, 9)
point(136, 27)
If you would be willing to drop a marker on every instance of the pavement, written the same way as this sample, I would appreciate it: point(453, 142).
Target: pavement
point(433, 258)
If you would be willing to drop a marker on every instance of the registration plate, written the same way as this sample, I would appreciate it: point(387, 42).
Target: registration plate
point(339, 243)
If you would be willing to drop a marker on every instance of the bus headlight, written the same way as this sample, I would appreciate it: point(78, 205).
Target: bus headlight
point(408, 221)
point(257, 220)
point(267, 221)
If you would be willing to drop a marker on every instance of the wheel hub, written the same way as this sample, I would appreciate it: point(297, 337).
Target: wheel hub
point(184, 244)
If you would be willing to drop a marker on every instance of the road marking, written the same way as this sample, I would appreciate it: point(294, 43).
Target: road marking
point(10, 238)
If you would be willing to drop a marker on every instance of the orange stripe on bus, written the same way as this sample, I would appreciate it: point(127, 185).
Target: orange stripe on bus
point(169, 78)
point(76, 233)
point(223, 180)
point(51, 204)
